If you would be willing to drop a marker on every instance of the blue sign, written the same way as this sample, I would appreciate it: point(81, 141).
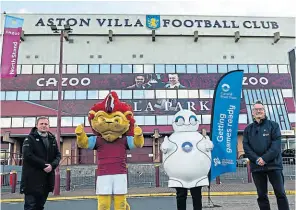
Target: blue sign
point(187, 146)
point(224, 125)
point(153, 21)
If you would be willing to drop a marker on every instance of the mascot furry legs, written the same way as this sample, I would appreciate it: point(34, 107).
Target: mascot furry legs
point(115, 131)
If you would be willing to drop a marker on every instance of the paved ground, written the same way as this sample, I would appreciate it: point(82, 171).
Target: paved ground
point(215, 188)
point(159, 203)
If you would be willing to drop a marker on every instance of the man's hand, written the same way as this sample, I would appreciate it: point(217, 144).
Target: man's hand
point(48, 168)
point(260, 162)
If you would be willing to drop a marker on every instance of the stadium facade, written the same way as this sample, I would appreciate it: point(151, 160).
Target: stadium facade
point(158, 64)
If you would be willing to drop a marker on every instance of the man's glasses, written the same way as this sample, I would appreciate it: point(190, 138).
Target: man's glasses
point(258, 109)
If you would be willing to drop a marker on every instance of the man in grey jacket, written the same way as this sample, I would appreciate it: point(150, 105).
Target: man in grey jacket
point(262, 145)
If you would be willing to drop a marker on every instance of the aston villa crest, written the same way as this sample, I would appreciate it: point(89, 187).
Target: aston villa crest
point(153, 21)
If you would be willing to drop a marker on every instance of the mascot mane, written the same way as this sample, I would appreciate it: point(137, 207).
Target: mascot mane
point(112, 104)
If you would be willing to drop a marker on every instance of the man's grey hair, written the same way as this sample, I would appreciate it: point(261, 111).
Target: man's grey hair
point(258, 102)
point(42, 118)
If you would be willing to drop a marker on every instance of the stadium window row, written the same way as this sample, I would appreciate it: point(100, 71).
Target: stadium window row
point(149, 68)
point(28, 122)
point(101, 94)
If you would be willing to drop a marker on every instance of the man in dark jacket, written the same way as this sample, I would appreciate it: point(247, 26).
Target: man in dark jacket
point(262, 145)
point(41, 156)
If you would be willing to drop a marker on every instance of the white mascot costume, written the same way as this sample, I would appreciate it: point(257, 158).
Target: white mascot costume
point(186, 153)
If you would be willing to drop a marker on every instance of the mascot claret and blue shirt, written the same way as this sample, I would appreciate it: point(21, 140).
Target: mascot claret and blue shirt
point(113, 124)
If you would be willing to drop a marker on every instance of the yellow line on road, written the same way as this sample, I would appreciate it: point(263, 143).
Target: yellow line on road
point(288, 192)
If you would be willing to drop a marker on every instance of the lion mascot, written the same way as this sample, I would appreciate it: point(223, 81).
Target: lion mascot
point(113, 124)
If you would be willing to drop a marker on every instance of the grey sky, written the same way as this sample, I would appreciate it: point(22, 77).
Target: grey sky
point(283, 8)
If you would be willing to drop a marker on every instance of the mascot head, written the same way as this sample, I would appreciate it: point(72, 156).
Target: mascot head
point(185, 121)
point(111, 118)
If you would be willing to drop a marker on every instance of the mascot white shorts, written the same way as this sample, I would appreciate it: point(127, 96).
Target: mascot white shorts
point(111, 184)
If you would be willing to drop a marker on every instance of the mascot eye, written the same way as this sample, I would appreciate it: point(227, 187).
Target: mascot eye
point(193, 120)
point(179, 120)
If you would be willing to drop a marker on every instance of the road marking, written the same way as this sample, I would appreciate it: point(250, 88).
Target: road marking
point(288, 192)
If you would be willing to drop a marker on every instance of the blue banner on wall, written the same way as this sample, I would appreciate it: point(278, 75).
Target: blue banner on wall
point(224, 125)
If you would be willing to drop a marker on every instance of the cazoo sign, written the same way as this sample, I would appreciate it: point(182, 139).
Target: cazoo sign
point(41, 82)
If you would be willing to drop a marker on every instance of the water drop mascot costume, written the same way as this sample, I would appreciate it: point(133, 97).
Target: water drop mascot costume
point(113, 124)
point(187, 159)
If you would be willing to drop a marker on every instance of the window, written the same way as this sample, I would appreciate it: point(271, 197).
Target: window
point(182, 94)
point(222, 68)
point(105, 69)
point(17, 122)
point(80, 94)
point(2, 95)
point(232, 67)
point(5, 122)
point(171, 119)
point(138, 94)
point(126, 94)
point(27, 69)
point(86, 122)
point(283, 68)
point(23, 95)
point(139, 120)
point(202, 68)
point(193, 93)
point(160, 94)
point(19, 67)
point(149, 120)
point(291, 117)
point(191, 68)
point(115, 69)
point(55, 95)
point(49, 69)
point(11, 95)
point(149, 94)
point(253, 69)
point(118, 93)
point(171, 93)
point(37, 69)
point(53, 121)
point(69, 94)
point(159, 68)
point(66, 121)
point(211, 93)
point(206, 119)
point(272, 68)
point(78, 120)
point(57, 69)
point(243, 118)
point(162, 120)
point(180, 68)
point(94, 69)
point(263, 68)
point(148, 68)
point(103, 94)
point(29, 122)
point(204, 93)
point(46, 95)
point(287, 93)
point(82, 69)
point(212, 68)
point(127, 69)
point(170, 69)
point(243, 67)
point(71, 69)
point(92, 94)
point(34, 95)
point(138, 69)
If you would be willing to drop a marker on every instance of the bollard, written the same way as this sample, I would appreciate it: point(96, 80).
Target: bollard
point(13, 180)
point(218, 181)
point(157, 175)
point(249, 172)
point(68, 179)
